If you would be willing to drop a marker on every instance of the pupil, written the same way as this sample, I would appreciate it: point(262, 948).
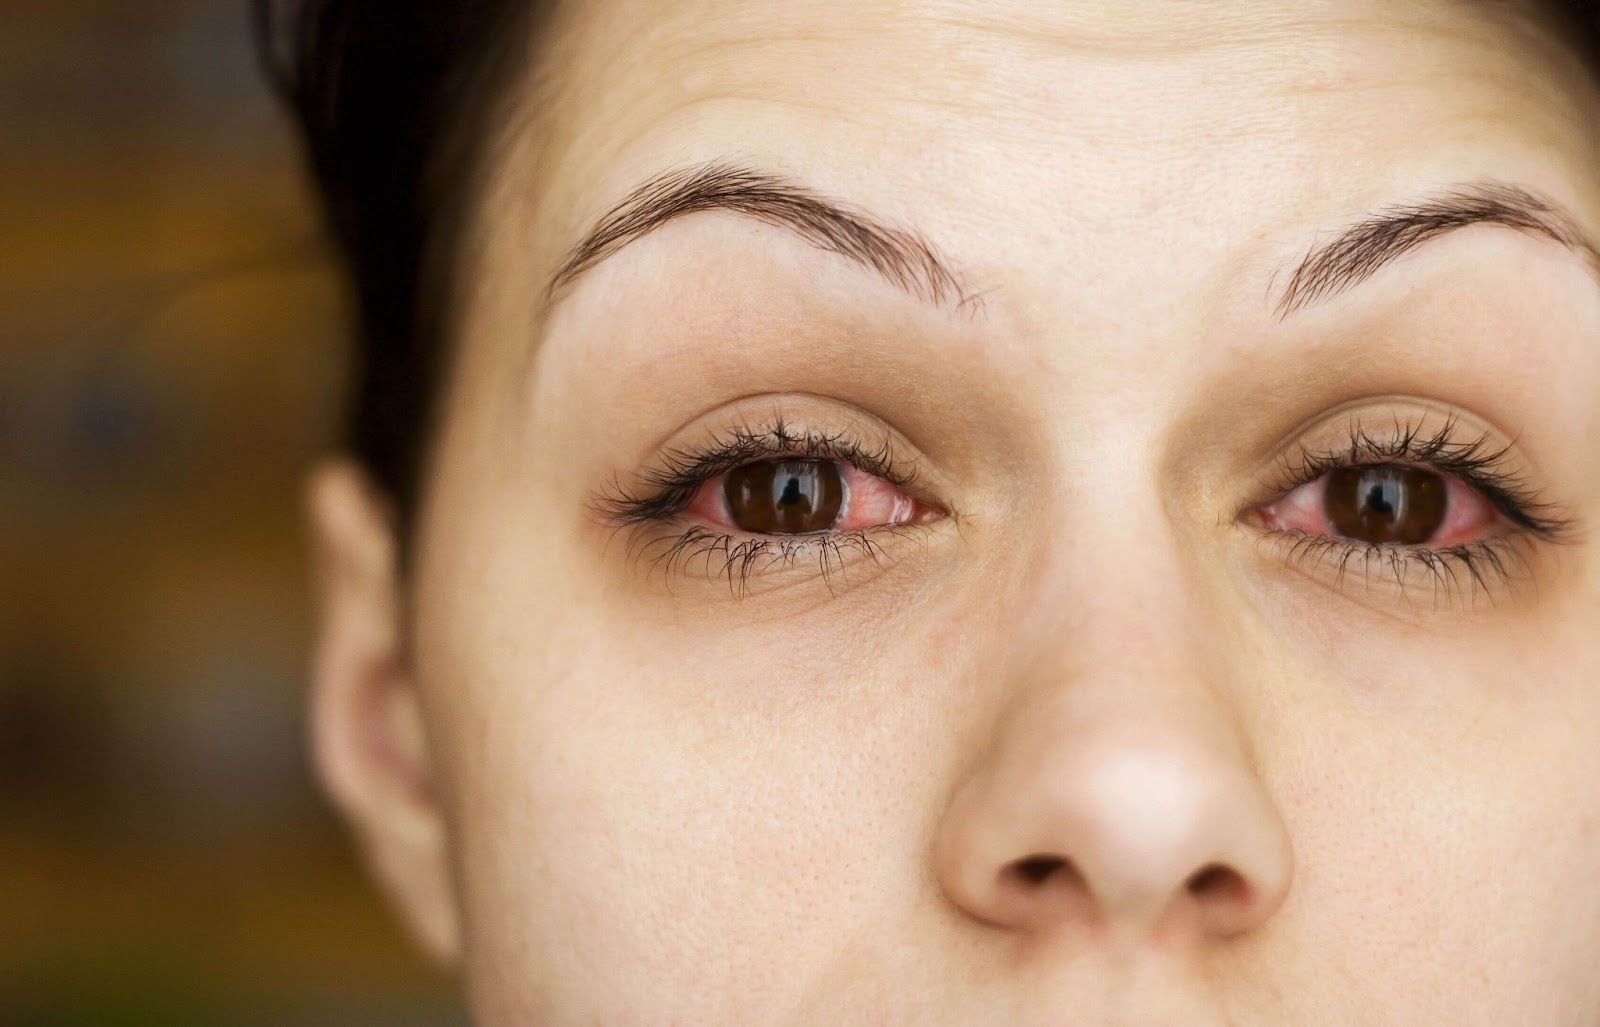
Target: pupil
point(1382, 505)
point(785, 497)
point(791, 492)
point(1382, 499)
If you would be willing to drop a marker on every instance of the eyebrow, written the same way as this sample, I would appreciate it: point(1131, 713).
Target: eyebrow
point(903, 257)
point(1360, 250)
point(908, 261)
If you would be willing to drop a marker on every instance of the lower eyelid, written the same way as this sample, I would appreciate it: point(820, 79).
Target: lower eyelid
point(744, 565)
point(1445, 575)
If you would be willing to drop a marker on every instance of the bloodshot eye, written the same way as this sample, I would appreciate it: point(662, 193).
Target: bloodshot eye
point(1385, 505)
point(802, 497)
point(785, 497)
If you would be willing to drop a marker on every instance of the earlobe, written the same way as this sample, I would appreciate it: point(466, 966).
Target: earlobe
point(369, 740)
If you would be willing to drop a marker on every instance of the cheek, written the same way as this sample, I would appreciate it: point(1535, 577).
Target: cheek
point(1455, 839)
point(659, 819)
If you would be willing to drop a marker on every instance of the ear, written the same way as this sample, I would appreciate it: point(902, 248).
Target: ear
point(368, 739)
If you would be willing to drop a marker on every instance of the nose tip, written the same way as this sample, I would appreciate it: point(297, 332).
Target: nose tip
point(1137, 840)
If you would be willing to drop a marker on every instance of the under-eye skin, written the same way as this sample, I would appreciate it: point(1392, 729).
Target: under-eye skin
point(1423, 503)
point(757, 499)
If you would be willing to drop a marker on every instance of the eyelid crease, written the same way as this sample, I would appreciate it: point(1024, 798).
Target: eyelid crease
point(1476, 461)
point(667, 490)
point(1488, 566)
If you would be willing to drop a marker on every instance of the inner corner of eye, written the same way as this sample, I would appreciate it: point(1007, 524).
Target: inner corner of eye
point(1259, 516)
point(708, 502)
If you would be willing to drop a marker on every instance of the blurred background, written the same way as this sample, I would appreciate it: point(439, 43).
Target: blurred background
point(170, 359)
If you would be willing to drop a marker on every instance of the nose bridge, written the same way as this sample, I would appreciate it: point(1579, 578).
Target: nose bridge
point(1113, 571)
point(1126, 635)
point(1127, 626)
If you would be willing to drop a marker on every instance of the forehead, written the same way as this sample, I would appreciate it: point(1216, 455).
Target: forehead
point(1113, 141)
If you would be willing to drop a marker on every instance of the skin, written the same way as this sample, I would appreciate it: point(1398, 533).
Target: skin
point(614, 794)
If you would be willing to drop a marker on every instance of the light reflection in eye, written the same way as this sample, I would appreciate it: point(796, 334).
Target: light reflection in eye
point(1386, 504)
point(801, 497)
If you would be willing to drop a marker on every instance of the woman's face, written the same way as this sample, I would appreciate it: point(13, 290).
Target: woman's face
point(1047, 513)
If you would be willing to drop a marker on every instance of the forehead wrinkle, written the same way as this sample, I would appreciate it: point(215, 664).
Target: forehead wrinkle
point(991, 67)
point(698, 73)
point(751, 57)
point(964, 37)
point(955, 29)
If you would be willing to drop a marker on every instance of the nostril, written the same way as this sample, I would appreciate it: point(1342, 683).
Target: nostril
point(1216, 880)
point(1038, 869)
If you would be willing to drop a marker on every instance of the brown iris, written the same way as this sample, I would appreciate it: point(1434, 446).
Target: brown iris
point(785, 497)
point(1385, 504)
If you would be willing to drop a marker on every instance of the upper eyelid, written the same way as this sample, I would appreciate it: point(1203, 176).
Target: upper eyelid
point(1477, 460)
point(671, 485)
point(1441, 450)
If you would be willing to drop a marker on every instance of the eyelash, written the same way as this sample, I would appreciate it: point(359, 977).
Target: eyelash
point(1475, 461)
point(664, 493)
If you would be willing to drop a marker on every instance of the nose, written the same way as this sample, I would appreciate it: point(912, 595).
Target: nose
point(1122, 808)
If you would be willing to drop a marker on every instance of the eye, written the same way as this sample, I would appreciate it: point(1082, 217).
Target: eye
point(801, 497)
point(1385, 505)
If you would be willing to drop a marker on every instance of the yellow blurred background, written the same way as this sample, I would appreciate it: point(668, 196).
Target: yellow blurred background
point(171, 357)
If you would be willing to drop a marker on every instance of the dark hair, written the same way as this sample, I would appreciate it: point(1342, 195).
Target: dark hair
point(394, 100)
